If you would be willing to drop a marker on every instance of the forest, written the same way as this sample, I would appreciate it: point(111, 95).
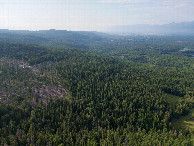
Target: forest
point(90, 88)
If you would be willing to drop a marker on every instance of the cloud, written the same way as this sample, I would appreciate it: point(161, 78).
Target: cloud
point(159, 12)
point(173, 3)
point(155, 2)
point(123, 1)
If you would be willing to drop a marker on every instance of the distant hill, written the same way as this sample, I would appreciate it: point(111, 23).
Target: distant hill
point(75, 39)
point(184, 28)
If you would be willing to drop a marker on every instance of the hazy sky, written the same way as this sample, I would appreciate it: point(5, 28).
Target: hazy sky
point(91, 14)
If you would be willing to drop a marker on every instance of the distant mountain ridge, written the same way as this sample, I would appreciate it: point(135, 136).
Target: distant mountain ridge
point(72, 39)
point(184, 28)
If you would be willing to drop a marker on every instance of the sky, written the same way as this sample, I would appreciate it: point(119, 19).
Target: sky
point(91, 14)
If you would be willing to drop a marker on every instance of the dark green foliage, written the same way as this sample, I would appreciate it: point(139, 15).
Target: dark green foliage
point(118, 98)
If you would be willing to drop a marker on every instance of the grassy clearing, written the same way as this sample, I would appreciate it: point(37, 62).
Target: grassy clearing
point(172, 99)
point(185, 123)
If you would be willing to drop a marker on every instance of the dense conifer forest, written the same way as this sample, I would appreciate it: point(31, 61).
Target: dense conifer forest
point(90, 88)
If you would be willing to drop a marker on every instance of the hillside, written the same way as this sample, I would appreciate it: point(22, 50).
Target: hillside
point(89, 88)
